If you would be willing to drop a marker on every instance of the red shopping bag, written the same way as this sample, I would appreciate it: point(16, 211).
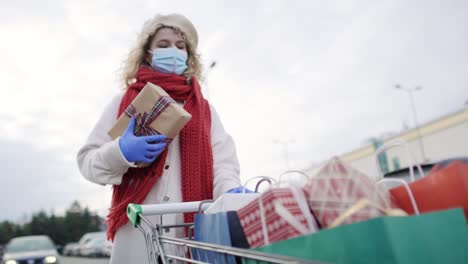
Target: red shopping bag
point(442, 188)
point(276, 215)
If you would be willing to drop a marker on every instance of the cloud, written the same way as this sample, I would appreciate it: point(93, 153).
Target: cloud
point(327, 78)
point(34, 180)
point(321, 73)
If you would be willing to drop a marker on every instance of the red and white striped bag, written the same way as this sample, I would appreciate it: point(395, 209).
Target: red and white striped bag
point(276, 215)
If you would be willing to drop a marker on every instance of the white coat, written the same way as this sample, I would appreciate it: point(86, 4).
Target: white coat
point(101, 161)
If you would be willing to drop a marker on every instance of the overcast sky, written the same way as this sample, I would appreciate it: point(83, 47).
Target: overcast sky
point(320, 73)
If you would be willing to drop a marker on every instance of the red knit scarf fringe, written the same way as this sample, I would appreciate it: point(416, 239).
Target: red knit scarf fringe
point(195, 150)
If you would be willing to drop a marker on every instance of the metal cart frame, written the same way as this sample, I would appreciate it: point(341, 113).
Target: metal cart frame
point(157, 243)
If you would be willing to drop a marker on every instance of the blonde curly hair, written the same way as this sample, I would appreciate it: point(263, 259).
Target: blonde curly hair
point(136, 56)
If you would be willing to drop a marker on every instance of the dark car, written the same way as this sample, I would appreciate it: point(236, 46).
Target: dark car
point(30, 250)
point(426, 167)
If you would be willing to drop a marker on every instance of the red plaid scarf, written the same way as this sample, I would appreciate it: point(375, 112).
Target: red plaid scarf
point(195, 150)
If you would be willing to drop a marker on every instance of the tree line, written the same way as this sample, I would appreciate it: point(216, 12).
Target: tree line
point(61, 229)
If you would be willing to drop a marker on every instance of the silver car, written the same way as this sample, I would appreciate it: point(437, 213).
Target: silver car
point(86, 238)
point(94, 248)
point(71, 249)
point(30, 250)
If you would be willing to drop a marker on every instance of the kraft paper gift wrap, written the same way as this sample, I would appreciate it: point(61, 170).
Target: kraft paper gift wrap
point(155, 112)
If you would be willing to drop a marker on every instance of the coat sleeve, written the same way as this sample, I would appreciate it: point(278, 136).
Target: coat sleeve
point(100, 159)
point(225, 162)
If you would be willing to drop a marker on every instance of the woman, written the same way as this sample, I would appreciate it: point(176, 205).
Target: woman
point(199, 164)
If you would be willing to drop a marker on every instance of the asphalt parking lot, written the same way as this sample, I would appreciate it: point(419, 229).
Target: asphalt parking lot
point(76, 260)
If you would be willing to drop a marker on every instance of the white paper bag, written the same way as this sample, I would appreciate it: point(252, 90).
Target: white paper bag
point(231, 202)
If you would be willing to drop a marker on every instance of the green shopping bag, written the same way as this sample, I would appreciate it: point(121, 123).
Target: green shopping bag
point(439, 237)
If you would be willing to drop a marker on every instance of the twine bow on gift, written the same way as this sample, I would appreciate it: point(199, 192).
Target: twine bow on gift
point(143, 120)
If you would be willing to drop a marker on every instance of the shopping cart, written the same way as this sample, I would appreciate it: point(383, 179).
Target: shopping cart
point(167, 249)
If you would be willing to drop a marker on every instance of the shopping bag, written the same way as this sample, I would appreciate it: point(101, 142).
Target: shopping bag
point(439, 237)
point(337, 187)
point(278, 214)
point(231, 202)
point(222, 229)
point(442, 188)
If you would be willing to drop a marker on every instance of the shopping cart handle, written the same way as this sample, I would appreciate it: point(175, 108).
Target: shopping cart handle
point(133, 213)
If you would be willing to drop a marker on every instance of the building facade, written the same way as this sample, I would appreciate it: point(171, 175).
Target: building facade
point(442, 138)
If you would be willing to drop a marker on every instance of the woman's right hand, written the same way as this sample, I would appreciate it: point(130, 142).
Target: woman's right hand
point(140, 149)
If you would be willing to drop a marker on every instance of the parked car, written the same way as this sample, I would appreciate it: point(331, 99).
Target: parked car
point(76, 250)
point(86, 238)
point(30, 249)
point(94, 248)
point(71, 249)
point(107, 248)
point(426, 167)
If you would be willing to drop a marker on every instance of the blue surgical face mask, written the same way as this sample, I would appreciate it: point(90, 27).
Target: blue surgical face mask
point(169, 60)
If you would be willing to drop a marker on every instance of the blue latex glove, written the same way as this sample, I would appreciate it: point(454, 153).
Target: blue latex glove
point(140, 149)
point(240, 190)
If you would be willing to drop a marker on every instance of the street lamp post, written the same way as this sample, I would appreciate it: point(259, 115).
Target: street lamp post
point(285, 144)
point(207, 71)
point(415, 116)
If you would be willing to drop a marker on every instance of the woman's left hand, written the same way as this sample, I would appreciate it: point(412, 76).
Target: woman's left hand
point(240, 189)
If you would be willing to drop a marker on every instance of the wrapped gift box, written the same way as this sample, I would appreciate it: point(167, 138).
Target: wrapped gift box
point(276, 215)
point(338, 186)
point(155, 112)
